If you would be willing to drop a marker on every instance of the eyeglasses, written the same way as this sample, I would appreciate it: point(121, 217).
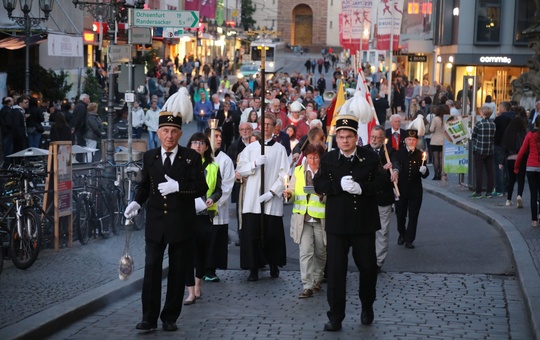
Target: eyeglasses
point(197, 142)
point(312, 158)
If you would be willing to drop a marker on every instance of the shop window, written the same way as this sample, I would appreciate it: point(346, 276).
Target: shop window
point(488, 22)
point(523, 19)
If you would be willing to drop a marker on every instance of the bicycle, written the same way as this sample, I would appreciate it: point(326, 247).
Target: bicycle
point(126, 178)
point(94, 217)
point(20, 224)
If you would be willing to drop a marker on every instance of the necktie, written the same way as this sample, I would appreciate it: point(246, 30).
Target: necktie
point(396, 138)
point(167, 164)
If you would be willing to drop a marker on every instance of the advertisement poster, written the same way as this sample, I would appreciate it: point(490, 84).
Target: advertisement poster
point(65, 183)
point(456, 144)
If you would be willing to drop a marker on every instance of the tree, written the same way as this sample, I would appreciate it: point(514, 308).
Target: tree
point(91, 86)
point(247, 14)
point(48, 83)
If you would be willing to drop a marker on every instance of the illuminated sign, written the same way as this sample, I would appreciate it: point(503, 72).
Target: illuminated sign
point(414, 8)
point(493, 59)
point(89, 36)
point(417, 58)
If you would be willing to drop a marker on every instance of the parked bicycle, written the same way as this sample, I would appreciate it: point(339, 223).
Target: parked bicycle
point(20, 225)
point(123, 193)
point(94, 217)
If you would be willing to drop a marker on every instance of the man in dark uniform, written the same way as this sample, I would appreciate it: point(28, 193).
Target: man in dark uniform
point(172, 177)
point(350, 177)
point(409, 163)
point(385, 196)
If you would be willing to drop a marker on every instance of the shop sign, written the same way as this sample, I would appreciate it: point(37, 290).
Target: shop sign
point(417, 58)
point(495, 60)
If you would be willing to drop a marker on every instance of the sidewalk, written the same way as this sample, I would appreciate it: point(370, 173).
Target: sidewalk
point(513, 223)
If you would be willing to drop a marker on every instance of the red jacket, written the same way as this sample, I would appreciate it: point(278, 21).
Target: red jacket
point(531, 144)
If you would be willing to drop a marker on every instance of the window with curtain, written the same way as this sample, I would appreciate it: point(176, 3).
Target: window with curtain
point(523, 19)
point(488, 22)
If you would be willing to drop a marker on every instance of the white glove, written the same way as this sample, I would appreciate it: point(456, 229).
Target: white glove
point(423, 169)
point(199, 205)
point(267, 196)
point(260, 160)
point(168, 187)
point(346, 182)
point(350, 186)
point(132, 210)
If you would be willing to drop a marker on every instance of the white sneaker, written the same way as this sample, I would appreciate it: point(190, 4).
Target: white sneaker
point(519, 202)
point(508, 203)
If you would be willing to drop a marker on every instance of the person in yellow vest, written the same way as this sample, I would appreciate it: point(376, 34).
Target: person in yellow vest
point(307, 221)
point(206, 210)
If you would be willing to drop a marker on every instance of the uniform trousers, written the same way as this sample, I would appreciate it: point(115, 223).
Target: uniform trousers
point(363, 252)
point(312, 254)
point(179, 261)
point(410, 206)
point(381, 235)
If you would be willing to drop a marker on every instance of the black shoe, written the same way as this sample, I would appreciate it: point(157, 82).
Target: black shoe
point(274, 271)
point(367, 316)
point(253, 275)
point(409, 245)
point(169, 326)
point(400, 241)
point(146, 326)
point(332, 326)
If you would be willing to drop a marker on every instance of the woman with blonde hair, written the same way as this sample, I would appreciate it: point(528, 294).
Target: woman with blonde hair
point(94, 129)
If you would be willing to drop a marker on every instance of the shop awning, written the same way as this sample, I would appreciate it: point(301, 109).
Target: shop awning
point(17, 42)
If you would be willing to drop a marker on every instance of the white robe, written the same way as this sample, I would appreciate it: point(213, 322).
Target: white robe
point(275, 169)
point(226, 168)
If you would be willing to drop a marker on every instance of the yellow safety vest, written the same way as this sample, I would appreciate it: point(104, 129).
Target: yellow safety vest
point(314, 207)
point(211, 180)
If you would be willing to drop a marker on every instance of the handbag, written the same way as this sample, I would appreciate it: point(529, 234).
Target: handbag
point(40, 128)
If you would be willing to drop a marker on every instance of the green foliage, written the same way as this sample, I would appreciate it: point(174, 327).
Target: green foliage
point(47, 83)
point(247, 14)
point(91, 86)
point(150, 59)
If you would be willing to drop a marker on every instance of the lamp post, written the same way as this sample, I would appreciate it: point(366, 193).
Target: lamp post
point(28, 22)
point(107, 11)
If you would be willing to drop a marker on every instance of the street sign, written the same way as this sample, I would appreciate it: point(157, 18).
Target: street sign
point(160, 18)
point(140, 35)
point(119, 53)
point(169, 32)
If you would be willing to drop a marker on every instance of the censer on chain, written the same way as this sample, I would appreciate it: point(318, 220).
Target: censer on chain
point(127, 265)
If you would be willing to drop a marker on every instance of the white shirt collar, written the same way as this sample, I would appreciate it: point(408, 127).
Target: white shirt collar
point(173, 154)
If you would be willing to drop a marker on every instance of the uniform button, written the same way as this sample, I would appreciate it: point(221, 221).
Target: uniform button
point(164, 197)
point(165, 205)
point(165, 212)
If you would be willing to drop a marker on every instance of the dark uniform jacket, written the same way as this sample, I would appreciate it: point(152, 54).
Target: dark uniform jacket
point(348, 214)
point(171, 217)
point(385, 195)
point(410, 178)
point(402, 136)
